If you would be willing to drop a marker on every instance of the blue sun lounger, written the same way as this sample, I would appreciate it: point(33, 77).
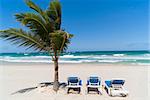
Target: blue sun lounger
point(115, 87)
point(94, 84)
point(74, 83)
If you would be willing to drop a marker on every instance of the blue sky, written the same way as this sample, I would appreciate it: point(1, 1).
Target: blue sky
point(96, 24)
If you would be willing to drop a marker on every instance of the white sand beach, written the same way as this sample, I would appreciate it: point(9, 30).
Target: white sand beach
point(17, 76)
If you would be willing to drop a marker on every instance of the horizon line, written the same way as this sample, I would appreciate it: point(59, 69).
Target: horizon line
point(87, 51)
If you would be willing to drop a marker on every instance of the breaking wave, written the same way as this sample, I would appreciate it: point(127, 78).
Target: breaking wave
point(82, 57)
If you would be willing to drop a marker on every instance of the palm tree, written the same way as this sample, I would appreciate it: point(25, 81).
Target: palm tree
point(44, 34)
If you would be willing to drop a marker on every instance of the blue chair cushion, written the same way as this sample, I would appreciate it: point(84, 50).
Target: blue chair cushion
point(118, 82)
point(87, 82)
point(80, 82)
point(108, 83)
point(73, 79)
point(94, 80)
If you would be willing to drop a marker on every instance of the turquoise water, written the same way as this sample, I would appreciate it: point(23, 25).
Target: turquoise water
point(111, 57)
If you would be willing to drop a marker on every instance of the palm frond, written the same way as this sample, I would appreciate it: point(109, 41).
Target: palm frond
point(36, 24)
point(54, 12)
point(44, 16)
point(22, 38)
point(60, 40)
point(33, 21)
point(35, 7)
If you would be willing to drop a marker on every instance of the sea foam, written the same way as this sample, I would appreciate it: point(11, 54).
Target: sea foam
point(141, 58)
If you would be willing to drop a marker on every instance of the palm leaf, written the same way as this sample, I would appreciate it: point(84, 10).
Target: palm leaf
point(42, 13)
point(33, 21)
point(36, 25)
point(22, 38)
point(54, 12)
point(59, 40)
point(35, 7)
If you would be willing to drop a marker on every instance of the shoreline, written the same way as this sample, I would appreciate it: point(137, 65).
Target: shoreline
point(95, 63)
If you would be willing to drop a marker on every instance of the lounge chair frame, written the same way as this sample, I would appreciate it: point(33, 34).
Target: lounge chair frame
point(115, 89)
point(74, 86)
point(97, 86)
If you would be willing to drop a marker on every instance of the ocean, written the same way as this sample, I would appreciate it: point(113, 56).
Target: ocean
point(104, 57)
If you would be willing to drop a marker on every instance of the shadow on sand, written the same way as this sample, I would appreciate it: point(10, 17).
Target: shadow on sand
point(43, 84)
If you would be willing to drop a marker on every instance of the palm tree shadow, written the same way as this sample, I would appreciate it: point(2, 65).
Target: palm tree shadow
point(43, 84)
point(62, 85)
point(24, 90)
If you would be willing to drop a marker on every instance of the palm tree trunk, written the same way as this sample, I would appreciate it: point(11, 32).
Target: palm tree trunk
point(56, 78)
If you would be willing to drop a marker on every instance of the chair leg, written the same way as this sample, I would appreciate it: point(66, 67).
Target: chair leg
point(123, 95)
point(88, 90)
point(98, 92)
point(68, 90)
point(106, 90)
point(79, 90)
